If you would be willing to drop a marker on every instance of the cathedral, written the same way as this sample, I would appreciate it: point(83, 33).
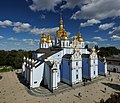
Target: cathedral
point(60, 60)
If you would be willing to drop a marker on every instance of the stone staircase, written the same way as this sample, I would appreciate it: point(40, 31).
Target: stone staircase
point(62, 87)
point(41, 91)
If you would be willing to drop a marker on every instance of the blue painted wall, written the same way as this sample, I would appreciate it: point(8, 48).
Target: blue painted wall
point(66, 74)
point(85, 68)
point(101, 67)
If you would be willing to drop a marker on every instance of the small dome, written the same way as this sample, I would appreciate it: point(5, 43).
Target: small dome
point(43, 38)
point(49, 39)
point(74, 38)
point(80, 39)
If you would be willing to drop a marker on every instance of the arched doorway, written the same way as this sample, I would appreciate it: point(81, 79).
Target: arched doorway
point(114, 70)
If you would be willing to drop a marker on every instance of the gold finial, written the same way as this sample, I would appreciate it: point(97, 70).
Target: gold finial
point(43, 38)
point(61, 30)
point(79, 35)
point(61, 23)
point(49, 39)
point(44, 35)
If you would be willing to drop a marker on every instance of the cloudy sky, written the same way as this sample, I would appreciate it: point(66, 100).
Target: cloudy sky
point(23, 21)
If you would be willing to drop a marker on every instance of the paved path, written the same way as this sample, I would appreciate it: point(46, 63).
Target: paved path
point(12, 91)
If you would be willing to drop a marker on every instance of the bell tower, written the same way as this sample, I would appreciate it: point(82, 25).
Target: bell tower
point(43, 41)
point(49, 41)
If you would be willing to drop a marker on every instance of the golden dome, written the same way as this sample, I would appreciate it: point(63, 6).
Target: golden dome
point(49, 39)
point(61, 30)
point(80, 39)
point(43, 38)
point(74, 38)
point(64, 36)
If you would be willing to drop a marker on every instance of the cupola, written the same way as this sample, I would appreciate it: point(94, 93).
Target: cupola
point(80, 39)
point(49, 39)
point(43, 38)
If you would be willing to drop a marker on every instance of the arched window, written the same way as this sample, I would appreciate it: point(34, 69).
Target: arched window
point(76, 63)
point(42, 45)
point(63, 44)
point(109, 62)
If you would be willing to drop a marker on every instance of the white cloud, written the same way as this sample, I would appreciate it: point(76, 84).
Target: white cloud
point(16, 29)
point(44, 30)
point(5, 23)
point(39, 5)
point(12, 39)
point(99, 38)
point(26, 27)
point(71, 37)
point(106, 26)
point(21, 27)
point(115, 37)
point(1, 37)
point(98, 9)
point(73, 3)
point(36, 40)
point(49, 5)
point(116, 30)
point(5, 43)
point(17, 44)
point(91, 43)
point(27, 0)
point(28, 41)
point(90, 23)
point(68, 33)
point(17, 24)
point(1, 44)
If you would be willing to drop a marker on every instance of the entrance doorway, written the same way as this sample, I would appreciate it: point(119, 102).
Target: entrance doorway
point(114, 70)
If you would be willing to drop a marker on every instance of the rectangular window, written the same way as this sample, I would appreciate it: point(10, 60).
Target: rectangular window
point(63, 44)
point(94, 72)
point(77, 70)
point(109, 62)
point(76, 63)
point(35, 82)
point(58, 74)
point(77, 76)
